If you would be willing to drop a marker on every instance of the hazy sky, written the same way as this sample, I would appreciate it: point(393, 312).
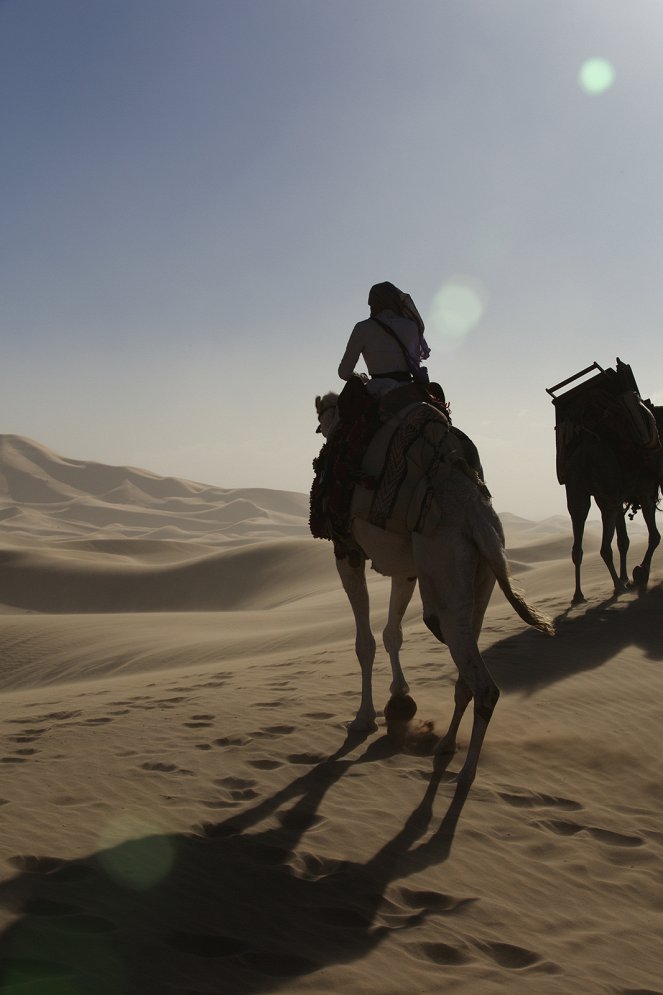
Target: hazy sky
point(197, 194)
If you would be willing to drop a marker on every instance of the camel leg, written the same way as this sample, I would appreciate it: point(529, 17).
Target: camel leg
point(354, 584)
point(402, 589)
point(483, 588)
point(623, 544)
point(641, 573)
point(609, 517)
point(447, 570)
point(462, 698)
point(578, 503)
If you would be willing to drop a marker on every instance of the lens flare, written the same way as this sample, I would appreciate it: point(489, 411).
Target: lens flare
point(457, 308)
point(596, 76)
point(136, 855)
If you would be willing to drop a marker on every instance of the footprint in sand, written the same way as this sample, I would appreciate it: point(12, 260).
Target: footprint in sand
point(265, 764)
point(535, 800)
point(232, 741)
point(441, 953)
point(510, 956)
point(432, 901)
point(272, 731)
point(50, 716)
point(166, 768)
point(234, 782)
point(310, 759)
point(606, 836)
point(28, 735)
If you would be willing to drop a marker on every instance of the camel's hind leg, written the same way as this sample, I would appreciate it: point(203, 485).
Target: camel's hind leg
point(610, 514)
point(402, 589)
point(483, 588)
point(354, 584)
point(448, 568)
point(641, 573)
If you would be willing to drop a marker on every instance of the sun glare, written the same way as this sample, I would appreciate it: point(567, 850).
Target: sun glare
point(596, 76)
point(457, 308)
point(135, 854)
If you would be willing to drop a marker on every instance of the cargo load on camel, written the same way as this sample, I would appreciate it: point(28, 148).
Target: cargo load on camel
point(608, 406)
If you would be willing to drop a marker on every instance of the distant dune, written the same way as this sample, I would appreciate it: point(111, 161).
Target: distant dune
point(183, 809)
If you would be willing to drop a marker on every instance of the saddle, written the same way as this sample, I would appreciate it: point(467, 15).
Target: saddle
point(339, 466)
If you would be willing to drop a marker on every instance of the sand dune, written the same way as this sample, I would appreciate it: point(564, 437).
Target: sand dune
point(184, 812)
point(44, 494)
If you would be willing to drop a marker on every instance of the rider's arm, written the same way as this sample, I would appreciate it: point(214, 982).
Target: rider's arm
point(352, 352)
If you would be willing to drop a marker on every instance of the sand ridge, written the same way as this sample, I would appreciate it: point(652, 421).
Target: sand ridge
point(184, 811)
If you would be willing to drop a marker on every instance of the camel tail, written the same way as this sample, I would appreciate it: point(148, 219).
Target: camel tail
point(522, 607)
point(489, 538)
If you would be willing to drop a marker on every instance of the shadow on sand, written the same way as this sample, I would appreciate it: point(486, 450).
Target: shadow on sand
point(242, 905)
point(236, 909)
point(586, 638)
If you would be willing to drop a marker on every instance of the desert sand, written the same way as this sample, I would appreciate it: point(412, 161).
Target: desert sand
point(183, 810)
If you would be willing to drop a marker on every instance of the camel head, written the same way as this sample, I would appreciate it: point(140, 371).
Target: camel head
point(326, 407)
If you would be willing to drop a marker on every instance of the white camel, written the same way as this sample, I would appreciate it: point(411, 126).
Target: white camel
point(456, 567)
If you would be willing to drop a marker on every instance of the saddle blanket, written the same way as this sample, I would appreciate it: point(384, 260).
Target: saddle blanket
point(410, 456)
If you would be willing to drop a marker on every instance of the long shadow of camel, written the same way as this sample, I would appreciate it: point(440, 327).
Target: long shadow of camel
point(234, 910)
point(584, 641)
point(237, 909)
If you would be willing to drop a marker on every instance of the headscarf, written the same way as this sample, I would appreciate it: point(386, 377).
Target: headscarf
point(386, 297)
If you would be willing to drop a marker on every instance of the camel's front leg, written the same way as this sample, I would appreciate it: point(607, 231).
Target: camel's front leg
point(623, 544)
point(402, 589)
point(354, 584)
point(578, 503)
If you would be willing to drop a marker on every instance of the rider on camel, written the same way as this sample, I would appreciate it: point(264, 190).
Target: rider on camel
point(391, 342)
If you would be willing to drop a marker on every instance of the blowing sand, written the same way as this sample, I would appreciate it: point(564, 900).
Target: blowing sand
point(184, 812)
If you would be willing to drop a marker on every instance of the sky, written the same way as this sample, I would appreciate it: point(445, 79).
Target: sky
point(198, 194)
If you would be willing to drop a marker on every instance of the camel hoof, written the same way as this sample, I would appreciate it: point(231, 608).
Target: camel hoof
point(400, 708)
point(578, 599)
point(640, 578)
